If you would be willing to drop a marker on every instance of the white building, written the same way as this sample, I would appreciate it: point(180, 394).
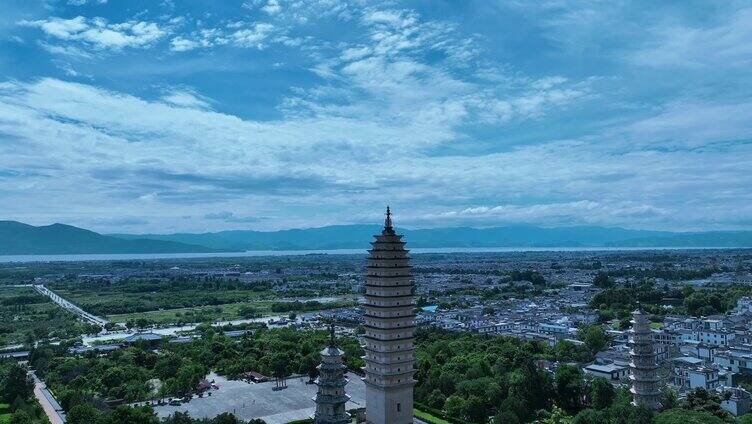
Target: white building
point(744, 304)
point(610, 372)
point(714, 337)
point(690, 373)
point(739, 403)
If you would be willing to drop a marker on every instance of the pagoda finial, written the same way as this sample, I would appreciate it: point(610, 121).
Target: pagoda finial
point(388, 229)
point(332, 342)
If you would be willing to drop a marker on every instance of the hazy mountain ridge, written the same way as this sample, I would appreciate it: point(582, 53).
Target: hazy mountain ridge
point(21, 239)
point(358, 237)
point(17, 238)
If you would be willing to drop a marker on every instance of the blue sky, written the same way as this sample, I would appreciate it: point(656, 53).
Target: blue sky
point(164, 116)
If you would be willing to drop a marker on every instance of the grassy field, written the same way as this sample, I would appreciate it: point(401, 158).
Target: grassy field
point(26, 315)
point(227, 312)
point(4, 413)
point(425, 416)
point(114, 302)
point(180, 300)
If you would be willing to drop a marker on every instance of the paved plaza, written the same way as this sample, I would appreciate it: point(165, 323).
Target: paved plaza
point(247, 400)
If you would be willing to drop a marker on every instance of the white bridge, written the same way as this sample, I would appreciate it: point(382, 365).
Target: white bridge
point(69, 306)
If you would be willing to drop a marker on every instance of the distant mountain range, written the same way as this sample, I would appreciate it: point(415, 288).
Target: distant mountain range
point(17, 239)
point(358, 237)
point(57, 239)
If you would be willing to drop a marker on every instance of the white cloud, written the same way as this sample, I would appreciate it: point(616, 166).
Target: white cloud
point(255, 36)
point(228, 216)
point(691, 123)
point(582, 212)
point(83, 2)
point(397, 108)
point(241, 34)
point(186, 98)
point(72, 51)
point(100, 34)
point(180, 44)
point(725, 43)
point(272, 7)
point(162, 156)
point(401, 32)
point(389, 79)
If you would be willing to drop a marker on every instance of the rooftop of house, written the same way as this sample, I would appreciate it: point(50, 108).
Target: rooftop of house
point(608, 368)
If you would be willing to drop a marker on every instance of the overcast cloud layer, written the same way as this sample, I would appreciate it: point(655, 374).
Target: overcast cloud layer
point(144, 116)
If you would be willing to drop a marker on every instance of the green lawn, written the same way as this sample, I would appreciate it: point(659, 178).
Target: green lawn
point(196, 314)
point(227, 312)
point(4, 413)
point(431, 419)
point(114, 302)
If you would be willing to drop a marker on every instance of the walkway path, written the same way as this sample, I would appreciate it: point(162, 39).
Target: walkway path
point(54, 411)
point(69, 306)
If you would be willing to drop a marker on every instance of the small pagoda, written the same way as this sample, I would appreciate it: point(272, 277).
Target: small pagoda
point(331, 397)
point(642, 365)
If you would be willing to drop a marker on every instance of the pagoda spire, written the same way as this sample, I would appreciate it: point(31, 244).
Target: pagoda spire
point(332, 341)
point(388, 228)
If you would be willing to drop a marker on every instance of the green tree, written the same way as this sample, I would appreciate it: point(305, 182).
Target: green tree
point(436, 399)
point(226, 418)
point(602, 393)
point(130, 415)
point(21, 417)
point(474, 410)
point(308, 366)
point(680, 416)
point(669, 398)
point(557, 416)
point(703, 401)
point(565, 350)
point(570, 388)
point(590, 416)
point(454, 406)
point(745, 419)
point(506, 417)
point(602, 280)
point(16, 383)
point(594, 337)
point(84, 414)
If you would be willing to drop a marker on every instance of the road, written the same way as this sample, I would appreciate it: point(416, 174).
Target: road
point(69, 306)
point(173, 330)
point(54, 411)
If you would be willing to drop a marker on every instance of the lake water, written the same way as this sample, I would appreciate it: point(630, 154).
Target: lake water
point(147, 256)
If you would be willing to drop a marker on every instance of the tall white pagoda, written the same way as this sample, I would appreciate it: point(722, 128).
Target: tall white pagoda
point(331, 397)
point(389, 323)
point(642, 365)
